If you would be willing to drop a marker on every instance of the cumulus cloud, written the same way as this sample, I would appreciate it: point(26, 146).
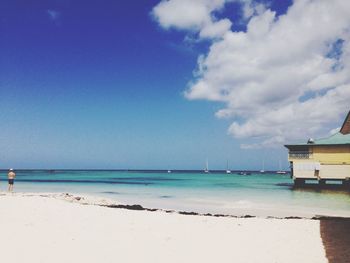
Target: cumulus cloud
point(215, 29)
point(285, 78)
point(194, 15)
point(251, 8)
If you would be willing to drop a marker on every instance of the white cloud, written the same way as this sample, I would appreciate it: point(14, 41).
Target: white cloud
point(215, 29)
point(279, 80)
point(194, 15)
point(251, 8)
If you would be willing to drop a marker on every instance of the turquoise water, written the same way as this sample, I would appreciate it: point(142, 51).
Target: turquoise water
point(267, 194)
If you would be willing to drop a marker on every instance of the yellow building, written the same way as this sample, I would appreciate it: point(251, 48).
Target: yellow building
point(322, 159)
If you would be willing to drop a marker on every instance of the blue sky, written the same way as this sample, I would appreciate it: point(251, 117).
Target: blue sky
point(100, 84)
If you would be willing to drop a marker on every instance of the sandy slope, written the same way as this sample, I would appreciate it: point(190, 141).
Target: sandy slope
point(46, 229)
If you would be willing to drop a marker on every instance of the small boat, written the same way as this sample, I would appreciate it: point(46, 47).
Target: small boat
point(169, 171)
point(280, 171)
point(227, 170)
point(206, 170)
point(263, 167)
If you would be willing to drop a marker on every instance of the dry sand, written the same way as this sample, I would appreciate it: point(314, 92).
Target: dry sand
point(36, 229)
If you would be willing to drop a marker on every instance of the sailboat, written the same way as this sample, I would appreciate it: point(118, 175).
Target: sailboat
point(280, 171)
point(206, 170)
point(263, 167)
point(227, 170)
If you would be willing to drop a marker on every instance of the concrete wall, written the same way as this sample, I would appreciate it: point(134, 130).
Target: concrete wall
point(334, 171)
point(304, 174)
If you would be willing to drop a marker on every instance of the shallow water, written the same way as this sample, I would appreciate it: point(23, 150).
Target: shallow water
point(267, 194)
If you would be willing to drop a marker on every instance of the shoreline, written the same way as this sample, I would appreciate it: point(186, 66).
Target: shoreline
point(111, 203)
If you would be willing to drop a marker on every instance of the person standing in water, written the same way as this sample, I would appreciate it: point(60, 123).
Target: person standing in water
point(11, 176)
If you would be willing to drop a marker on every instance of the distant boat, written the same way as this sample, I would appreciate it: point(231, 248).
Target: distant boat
point(280, 171)
point(206, 170)
point(169, 171)
point(227, 170)
point(245, 173)
point(263, 167)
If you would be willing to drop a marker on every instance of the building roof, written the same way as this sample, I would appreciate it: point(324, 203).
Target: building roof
point(336, 139)
point(340, 138)
point(345, 128)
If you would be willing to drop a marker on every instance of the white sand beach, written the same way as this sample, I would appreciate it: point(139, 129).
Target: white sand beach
point(36, 228)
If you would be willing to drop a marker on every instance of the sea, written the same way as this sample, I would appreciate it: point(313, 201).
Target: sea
point(238, 194)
